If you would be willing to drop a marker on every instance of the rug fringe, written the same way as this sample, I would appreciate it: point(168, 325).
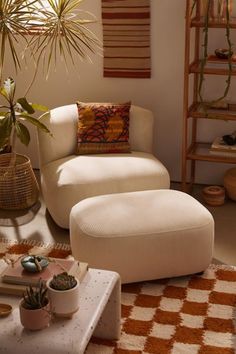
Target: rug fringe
point(58, 246)
point(222, 266)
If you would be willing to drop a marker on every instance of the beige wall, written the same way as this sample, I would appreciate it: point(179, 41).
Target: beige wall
point(163, 93)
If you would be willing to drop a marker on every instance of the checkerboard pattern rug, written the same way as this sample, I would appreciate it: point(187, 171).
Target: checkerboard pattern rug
point(186, 315)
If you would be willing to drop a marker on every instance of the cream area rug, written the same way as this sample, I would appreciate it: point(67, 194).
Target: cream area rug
point(187, 315)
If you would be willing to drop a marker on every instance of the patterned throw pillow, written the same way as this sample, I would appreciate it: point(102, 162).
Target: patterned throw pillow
point(103, 128)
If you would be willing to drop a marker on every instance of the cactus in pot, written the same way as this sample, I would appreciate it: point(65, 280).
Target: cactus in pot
point(63, 291)
point(34, 307)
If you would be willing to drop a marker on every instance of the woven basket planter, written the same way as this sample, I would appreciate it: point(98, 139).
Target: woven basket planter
point(18, 186)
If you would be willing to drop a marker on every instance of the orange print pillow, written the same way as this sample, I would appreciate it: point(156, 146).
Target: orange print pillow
point(103, 128)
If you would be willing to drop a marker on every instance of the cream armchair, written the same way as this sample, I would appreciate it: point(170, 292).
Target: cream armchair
point(67, 178)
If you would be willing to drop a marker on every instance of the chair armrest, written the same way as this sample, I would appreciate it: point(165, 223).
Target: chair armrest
point(62, 123)
point(141, 129)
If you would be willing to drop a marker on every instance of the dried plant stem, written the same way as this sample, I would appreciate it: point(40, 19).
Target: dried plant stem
point(205, 55)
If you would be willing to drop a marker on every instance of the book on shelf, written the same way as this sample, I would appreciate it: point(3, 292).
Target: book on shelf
point(219, 147)
point(14, 280)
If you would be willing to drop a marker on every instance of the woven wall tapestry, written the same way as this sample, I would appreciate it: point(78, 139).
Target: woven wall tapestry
point(126, 38)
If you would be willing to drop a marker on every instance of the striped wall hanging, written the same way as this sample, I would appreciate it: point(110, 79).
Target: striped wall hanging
point(126, 38)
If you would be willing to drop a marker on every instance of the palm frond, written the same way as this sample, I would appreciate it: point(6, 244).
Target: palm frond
point(58, 29)
point(65, 34)
point(15, 15)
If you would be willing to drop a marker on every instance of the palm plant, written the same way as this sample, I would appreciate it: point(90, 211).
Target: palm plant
point(48, 29)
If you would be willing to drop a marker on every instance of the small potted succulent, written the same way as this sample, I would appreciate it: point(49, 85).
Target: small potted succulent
point(35, 308)
point(63, 292)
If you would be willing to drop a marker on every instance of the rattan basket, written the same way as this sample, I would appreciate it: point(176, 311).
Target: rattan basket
point(18, 186)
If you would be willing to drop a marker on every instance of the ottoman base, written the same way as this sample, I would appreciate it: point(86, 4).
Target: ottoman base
point(143, 235)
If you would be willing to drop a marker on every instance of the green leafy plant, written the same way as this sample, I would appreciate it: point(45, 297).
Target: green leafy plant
point(35, 297)
point(13, 114)
point(63, 281)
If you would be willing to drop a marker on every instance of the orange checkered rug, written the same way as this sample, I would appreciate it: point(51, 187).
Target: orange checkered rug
point(186, 315)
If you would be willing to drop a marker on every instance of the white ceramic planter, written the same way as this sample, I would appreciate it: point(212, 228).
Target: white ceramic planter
point(64, 303)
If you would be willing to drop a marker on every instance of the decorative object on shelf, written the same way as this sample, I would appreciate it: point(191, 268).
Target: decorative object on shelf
point(5, 310)
point(223, 53)
point(221, 148)
point(230, 183)
point(34, 264)
point(126, 37)
point(230, 139)
point(217, 8)
point(224, 6)
point(35, 308)
point(213, 195)
point(63, 292)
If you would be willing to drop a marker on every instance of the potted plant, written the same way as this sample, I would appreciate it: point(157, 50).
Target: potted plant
point(63, 292)
point(34, 308)
point(18, 185)
point(46, 31)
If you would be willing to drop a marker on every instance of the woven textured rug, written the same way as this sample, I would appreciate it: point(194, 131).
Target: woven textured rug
point(186, 315)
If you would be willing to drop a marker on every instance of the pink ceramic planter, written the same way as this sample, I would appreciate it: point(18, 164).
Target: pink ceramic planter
point(35, 319)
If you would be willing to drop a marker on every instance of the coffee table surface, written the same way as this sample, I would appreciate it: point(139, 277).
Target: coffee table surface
point(99, 314)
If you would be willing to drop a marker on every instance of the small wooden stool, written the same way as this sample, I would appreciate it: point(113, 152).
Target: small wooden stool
point(213, 195)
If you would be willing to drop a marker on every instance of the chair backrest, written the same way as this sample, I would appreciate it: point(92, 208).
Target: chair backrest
point(63, 121)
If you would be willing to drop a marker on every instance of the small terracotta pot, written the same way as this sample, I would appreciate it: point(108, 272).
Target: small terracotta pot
point(64, 303)
point(35, 319)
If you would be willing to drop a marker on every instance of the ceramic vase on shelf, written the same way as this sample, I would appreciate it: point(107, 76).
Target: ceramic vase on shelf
point(217, 8)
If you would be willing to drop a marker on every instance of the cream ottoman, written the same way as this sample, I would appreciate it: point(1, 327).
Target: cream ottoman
point(143, 235)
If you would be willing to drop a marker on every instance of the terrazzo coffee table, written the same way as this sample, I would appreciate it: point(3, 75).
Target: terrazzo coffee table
point(99, 315)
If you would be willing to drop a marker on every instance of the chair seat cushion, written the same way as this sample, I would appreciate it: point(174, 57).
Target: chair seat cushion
point(69, 180)
point(143, 235)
